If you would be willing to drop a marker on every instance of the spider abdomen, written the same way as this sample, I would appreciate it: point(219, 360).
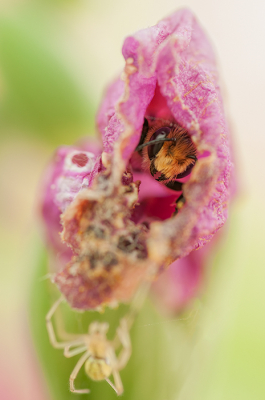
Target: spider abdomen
point(97, 368)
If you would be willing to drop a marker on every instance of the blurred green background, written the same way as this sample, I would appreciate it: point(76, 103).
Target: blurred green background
point(56, 58)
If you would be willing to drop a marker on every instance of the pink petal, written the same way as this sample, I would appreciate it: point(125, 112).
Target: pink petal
point(120, 237)
point(69, 172)
point(175, 59)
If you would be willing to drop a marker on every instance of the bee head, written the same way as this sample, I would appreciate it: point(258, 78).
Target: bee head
point(170, 150)
point(156, 142)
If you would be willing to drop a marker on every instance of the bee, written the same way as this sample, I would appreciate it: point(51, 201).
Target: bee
point(167, 152)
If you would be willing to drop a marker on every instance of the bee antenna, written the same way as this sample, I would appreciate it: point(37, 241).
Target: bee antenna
point(192, 157)
point(138, 148)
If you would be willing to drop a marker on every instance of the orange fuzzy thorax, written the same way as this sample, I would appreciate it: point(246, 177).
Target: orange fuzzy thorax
point(172, 159)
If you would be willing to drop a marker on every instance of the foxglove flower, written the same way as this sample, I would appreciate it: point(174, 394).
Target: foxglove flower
point(118, 221)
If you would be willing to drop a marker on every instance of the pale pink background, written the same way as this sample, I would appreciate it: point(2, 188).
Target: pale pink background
point(89, 39)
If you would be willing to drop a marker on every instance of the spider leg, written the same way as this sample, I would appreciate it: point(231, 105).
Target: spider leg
point(137, 303)
point(125, 340)
point(60, 328)
point(135, 307)
point(50, 329)
point(77, 350)
point(73, 375)
point(117, 386)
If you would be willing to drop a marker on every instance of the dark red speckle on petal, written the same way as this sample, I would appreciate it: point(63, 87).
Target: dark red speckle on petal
point(80, 159)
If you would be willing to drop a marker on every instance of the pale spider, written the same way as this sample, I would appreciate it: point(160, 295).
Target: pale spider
point(99, 358)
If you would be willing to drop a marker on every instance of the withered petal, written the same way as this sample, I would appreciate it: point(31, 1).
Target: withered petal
point(117, 238)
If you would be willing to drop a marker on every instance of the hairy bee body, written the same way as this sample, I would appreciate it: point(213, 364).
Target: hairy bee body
point(167, 150)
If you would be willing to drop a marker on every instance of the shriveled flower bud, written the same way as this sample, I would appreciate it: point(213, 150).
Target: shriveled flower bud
point(148, 207)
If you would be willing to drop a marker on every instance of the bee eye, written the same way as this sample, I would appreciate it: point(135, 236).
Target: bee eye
point(155, 148)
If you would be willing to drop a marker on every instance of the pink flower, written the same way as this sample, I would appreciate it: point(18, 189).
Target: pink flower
point(121, 224)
